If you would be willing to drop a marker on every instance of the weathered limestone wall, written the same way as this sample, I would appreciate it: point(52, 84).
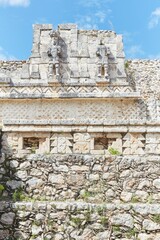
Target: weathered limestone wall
point(80, 221)
point(94, 197)
point(76, 177)
point(145, 75)
point(10, 70)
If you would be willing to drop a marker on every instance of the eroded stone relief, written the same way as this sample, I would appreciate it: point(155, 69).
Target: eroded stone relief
point(54, 54)
point(103, 53)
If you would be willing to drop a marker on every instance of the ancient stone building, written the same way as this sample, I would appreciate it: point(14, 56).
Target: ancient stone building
point(79, 124)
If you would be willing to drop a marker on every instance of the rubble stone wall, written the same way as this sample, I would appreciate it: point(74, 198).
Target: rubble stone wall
point(79, 220)
point(94, 197)
point(73, 177)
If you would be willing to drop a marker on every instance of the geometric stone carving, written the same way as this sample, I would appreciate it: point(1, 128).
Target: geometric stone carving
point(134, 143)
point(153, 143)
point(61, 143)
point(81, 143)
point(67, 91)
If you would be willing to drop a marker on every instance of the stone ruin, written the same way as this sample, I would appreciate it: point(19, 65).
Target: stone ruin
point(80, 140)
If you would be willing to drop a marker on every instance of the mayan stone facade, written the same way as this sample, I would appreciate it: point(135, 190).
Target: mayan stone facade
point(80, 140)
point(71, 96)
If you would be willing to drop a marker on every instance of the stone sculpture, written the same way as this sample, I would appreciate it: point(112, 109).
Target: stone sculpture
point(54, 55)
point(103, 53)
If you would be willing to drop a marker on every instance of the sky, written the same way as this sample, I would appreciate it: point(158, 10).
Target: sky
point(137, 20)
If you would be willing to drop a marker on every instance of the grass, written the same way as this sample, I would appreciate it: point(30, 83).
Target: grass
point(156, 218)
point(86, 194)
point(1, 187)
point(126, 65)
point(104, 220)
point(131, 233)
point(18, 195)
point(77, 221)
point(113, 151)
point(116, 229)
point(134, 199)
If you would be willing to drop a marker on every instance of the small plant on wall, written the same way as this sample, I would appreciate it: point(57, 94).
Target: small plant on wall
point(18, 195)
point(113, 151)
point(1, 189)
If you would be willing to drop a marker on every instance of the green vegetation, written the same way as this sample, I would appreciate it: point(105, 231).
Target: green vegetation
point(150, 199)
point(126, 65)
point(18, 195)
point(113, 151)
point(116, 229)
point(100, 210)
point(33, 150)
point(77, 221)
point(131, 233)
point(134, 199)
point(86, 194)
point(156, 218)
point(88, 217)
point(1, 188)
point(104, 220)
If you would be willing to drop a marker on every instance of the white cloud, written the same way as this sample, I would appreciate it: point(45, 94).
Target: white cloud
point(156, 56)
point(111, 25)
point(92, 20)
point(14, 3)
point(127, 37)
point(41, 20)
point(93, 3)
point(86, 22)
point(98, 12)
point(134, 51)
point(155, 18)
point(102, 15)
point(5, 56)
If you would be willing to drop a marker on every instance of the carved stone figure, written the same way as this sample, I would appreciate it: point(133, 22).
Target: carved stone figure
point(54, 54)
point(103, 53)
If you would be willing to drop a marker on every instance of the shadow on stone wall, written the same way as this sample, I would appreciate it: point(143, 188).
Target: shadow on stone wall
point(8, 220)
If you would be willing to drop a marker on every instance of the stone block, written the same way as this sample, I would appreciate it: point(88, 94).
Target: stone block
point(114, 135)
point(97, 152)
point(34, 183)
point(81, 137)
point(80, 168)
point(5, 80)
point(56, 179)
point(7, 218)
point(150, 225)
point(81, 147)
point(4, 234)
point(117, 145)
point(156, 183)
point(125, 220)
point(34, 71)
point(25, 71)
point(67, 26)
